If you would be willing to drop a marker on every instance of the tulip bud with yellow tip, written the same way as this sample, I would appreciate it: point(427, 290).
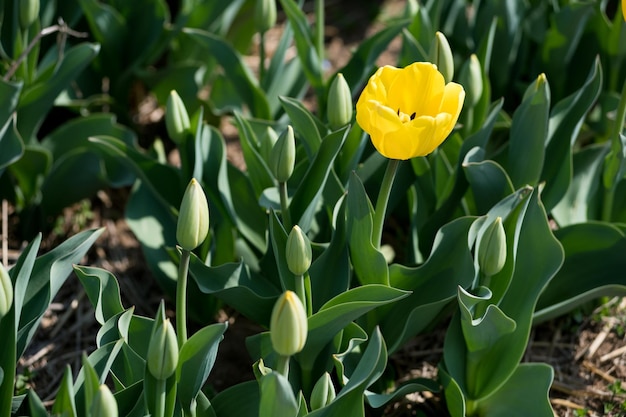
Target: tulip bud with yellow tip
point(104, 403)
point(288, 325)
point(6, 291)
point(298, 251)
point(162, 356)
point(323, 392)
point(440, 54)
point(340, 108)
point(492, 248)
point(283, 156)
point(193, 218)
point(176, 117)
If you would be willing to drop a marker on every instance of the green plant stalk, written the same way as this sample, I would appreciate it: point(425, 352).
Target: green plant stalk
point(284, 205)
point(301, 291)
point(261, 56)
point(282, 365)
point(319, 32)
point(307, 291)
point(382, 201)
point(8, 364)
point(159, 407)
point(181, 298)
point(609, 192)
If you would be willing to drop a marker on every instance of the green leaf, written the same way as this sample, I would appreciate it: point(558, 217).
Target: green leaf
point(228, 403)
point(529, 130)
point(235, 70)
point(594, 259)
point(35, 405)
point(488, 180)
point(38, 98)
point(307, 125)
point(524, 394)
point(11, 144)
point(277, 398)
point(309, 193)
point(103, 291)
point(566, 120)
point(369, 263)
point(64, 401)
point(195, 362)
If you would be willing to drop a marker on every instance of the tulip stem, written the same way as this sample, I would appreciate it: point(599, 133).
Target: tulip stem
point(284, 205)
point(282, 365)
point(319, 32)
point(261, 56)
point(381, 202)
point(307, 291)
point(300, 290)
point(159, 406)
point(181, 298)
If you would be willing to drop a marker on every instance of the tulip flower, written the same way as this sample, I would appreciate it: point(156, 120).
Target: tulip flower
point(193, 218)
point(409, 112)
point(492, 249)
point(624, 9)
point(288, 325)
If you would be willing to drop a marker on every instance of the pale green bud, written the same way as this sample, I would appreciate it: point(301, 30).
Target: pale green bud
point(268, 139)
point(440, 54)
point(298, 251)
point(288, 325)
point(323, 392)
point(104, 403)
point(283, 156)
point(471, 78)
point(176, 118)
point(340, 108)
point(411, 8)
point(193, 218)
point(492, 248)
point(163, 351)
point(6, 291)
point(264, 15)
point(29, 12)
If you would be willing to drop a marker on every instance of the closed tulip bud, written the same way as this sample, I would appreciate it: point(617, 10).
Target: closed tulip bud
point(288, 325)
point(163, 352)
point(264, 15)
point(298, 251)
point(176, 117)
point(29, 12)
point(283, 156)
point(6, 292)
point(492, 248)
point(440, 54)
point(411, 8)
point(193, 218)
point(268, 140)
point(340, 107)
point(323, 392)
point(104, 403)
point(471, 78)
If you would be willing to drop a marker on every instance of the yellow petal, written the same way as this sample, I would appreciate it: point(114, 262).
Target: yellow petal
point(624, 9)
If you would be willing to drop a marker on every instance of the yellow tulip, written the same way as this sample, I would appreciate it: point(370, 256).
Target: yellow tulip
point(624, 9)
point(409, 112)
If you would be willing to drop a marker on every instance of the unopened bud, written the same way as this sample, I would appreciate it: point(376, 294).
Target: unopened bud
point(104, 403)
point(176, 118)
point(440, 54)
point(492, 248)
point(6, 291)
point(193, 218)
point(340, 108)
point(163, 351)
point(298, 251)
point(411, 8)
point(323, 392)
point(264, 15)
point(29, 12)
point(283, 157)
point(471, 78)
point(288, 325)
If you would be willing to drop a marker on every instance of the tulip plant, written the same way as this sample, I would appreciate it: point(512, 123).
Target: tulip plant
point(497, 148)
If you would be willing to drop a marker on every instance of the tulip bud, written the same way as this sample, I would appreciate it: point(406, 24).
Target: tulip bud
point(471, 78)
point(29, 12)
point(298, 251)
point(411, 9)
point(163, 351)
point(268, 140)
point(264, 15)
point(492, 249)
point(176, 118)
point(323, 392)
point(340, 107)
point(283, 157)
point(104, 403)
point(6, 292)
point(193, 218)
point(440, 54)
point(288, 325)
